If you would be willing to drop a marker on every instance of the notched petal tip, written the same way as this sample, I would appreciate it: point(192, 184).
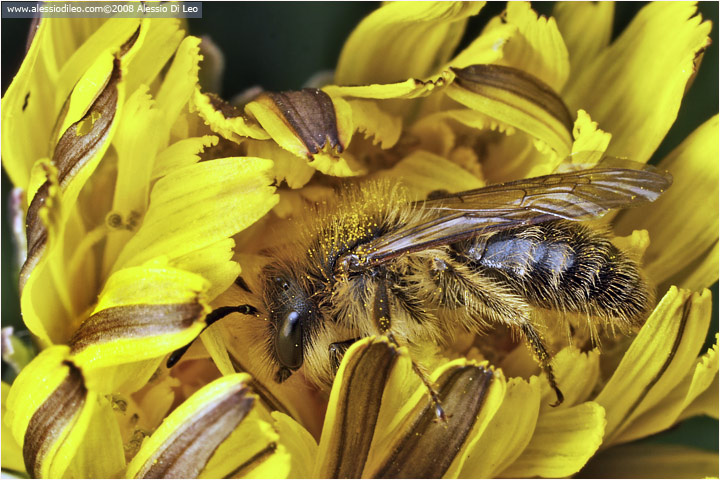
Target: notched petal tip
point(224, 118)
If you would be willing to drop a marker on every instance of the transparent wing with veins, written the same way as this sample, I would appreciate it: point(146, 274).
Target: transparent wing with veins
point(579, 195)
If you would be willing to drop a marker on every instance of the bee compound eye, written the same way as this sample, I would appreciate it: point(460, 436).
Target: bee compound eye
point(288, 341)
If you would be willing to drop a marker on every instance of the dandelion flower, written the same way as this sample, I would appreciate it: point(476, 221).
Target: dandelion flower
point(152, 205)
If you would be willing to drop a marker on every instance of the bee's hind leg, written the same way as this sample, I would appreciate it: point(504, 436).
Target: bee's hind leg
point(533, 338)
point(381, 315)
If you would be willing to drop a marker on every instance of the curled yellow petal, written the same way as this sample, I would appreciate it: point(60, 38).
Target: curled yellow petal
point(183, 444)
point(517, 99)
point(143, 312)
point(349, 424)
point(50, 412)
point(656, 362)
point(225, 119)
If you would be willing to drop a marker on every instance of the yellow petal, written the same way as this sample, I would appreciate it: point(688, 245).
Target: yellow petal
point(586, 28)
point(588, 137)
point(299, 443)
point(214, 263)
point(214, 342)
point(402, 40)
point(286, 166)
point(373, 122)
point(136, 143)
point(162, 37)
point(576, 372)
point(470, 396)
point(142, 313)
point(111, 36)
point(486, 48)
point(411, 88)
point(508, 433)
point(536, 47)
point(705, 404)
point(646, 71)
point(564, 440)
point(225, 119)
point(652, 461)
point(181, 153)
point(188, 437)
point(178, 85)
point(349, 423)
point(198, 205)
point(682, 233)
point(21, 116)
point(422, 172)
point(12, 457)
point(102, 432)
point(672, 408)
point(517, 99)
point(657, 360)
point(50, 410)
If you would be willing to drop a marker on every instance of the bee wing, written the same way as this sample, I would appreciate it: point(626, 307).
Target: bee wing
point(578, 195)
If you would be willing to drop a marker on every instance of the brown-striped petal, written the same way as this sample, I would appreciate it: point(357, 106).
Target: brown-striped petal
point(134, 321)
point(78, 145)
point(50, 421)
point(426, 447)
point(309, 124)
point(51, 411)
point(187, 439)
point(517, 99)
point(354, 407)
point(308, 113)
point(142, 313)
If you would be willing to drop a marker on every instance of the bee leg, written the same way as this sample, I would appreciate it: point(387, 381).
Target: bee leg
point(337, 351)
point(381, 314)
point(543, 358)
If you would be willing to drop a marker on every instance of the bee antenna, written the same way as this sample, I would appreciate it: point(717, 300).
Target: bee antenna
point(212, 317)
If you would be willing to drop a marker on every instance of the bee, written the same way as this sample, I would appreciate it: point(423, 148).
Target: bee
point(376, 262)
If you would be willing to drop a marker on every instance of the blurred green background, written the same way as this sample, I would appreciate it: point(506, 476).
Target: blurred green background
point(280, 45)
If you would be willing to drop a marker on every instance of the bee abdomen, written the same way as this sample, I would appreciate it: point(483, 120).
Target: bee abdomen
point(564, 265)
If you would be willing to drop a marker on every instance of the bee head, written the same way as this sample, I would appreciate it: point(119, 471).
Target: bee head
point(290, 312)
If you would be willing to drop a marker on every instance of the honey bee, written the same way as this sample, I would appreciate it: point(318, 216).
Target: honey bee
point(377, 263)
